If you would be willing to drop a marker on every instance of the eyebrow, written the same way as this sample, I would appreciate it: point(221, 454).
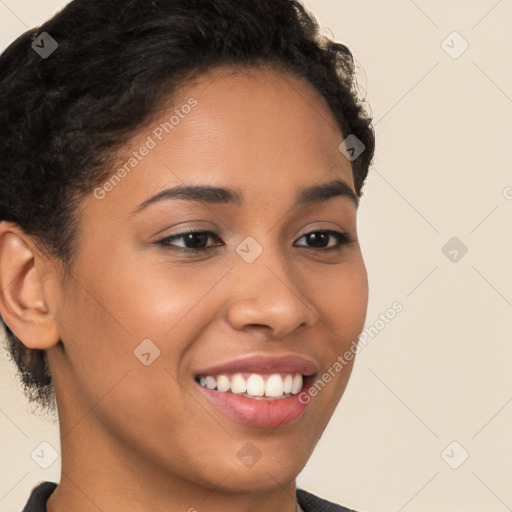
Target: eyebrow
point(219, 195)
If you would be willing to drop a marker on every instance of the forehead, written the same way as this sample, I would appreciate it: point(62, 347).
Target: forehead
point(258, 114)
point(257, 130)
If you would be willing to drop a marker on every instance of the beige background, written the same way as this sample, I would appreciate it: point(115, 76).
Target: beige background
point(440, 371)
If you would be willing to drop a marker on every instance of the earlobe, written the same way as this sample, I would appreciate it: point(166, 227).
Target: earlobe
point(23, 304)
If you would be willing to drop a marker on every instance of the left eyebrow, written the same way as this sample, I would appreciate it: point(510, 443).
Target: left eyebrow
point(219, 195)
point(325, 191)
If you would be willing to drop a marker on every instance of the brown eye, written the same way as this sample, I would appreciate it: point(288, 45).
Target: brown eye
point(194, 241)
point(319, 240)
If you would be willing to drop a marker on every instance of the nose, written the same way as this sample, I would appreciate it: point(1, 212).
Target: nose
point(266, 295)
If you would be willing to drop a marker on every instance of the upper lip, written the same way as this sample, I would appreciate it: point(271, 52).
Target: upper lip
point(263, 364)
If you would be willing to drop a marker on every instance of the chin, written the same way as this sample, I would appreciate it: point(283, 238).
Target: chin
point(251, 471)
point(265, 478)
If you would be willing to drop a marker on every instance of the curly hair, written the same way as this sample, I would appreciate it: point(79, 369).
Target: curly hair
point(63, 117)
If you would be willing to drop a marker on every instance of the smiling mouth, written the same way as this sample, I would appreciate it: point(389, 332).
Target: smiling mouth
point(256, 386)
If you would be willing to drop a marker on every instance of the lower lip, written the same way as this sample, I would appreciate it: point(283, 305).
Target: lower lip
point(257, 413)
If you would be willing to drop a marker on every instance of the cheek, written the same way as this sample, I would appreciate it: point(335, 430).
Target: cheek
point(342, 300)
point(153, 299)
point(117, 307)
point(106, 325)
point(341, 297)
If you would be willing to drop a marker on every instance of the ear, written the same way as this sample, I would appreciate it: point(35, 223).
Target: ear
point(23, 297)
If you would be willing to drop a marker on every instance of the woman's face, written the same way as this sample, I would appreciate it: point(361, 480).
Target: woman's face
point(148, 329)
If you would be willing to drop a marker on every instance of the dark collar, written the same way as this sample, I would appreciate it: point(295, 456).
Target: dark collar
point(308, 502)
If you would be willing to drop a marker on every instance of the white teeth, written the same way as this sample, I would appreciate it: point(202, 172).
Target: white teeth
point(274, 386)
point(238, 384)
point(297, 384)
point(211, 382)
point(255, 385)
point(223, 383)
point(287, 384)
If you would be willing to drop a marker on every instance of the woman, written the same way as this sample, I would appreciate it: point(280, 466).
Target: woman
point(178, 247)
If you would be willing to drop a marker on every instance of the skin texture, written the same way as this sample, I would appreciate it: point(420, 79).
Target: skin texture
point(145, 438)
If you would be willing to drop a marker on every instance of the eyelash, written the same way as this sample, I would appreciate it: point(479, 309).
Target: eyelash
point(342, 238)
